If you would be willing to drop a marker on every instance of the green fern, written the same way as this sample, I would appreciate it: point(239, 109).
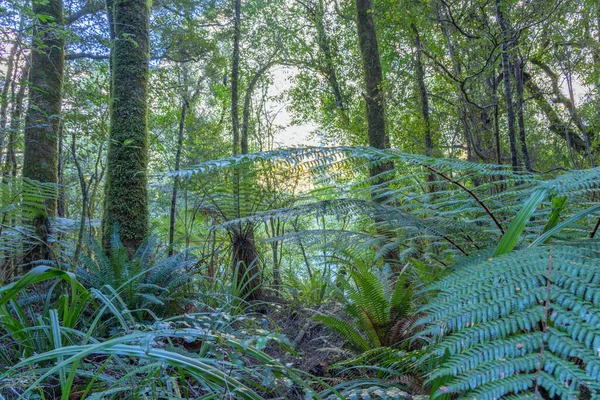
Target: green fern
point(468, 207)
point(146, 281)
point(375, 309)
point(525, 321)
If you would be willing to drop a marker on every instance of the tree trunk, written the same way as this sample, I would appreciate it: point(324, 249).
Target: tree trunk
point(374, 99)
point(43, 114)
point(10, 163)
point(510, 112)
point(323, 42)
point(520, 117)
point(126, 202)
point(8, 83)
point(247, 104)
point(60, 200)
point(235, 74)
point(497, 142)
point(184, 106)
point(373, 75)
point(84, 186)
point(471, 143)
point(244, 254)
point(562, 129)
point(422, 91)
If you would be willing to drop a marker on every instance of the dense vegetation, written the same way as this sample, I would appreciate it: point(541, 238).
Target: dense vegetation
point(290, 199)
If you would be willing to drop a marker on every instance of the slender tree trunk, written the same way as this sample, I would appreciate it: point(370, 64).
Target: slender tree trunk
point(10, 163)
point(325, 48)
point(126, 203)
point(520, 117)
point(505, 59)
point(4, 100)
point(248, 103)
point(60, 200)
point(235, 73)
point(472, 145)
point(422, 90)
point(497, 142)
point(43, 114)
point(373, 75)
point(184, 106)
point(84, 186)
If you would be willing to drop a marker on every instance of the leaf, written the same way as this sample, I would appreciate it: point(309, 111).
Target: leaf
point(516, 227)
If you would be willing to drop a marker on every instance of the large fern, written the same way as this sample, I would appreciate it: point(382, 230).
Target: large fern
point(468, 206)
point(528, 321)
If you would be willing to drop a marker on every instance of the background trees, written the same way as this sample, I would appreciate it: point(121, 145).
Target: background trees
point(169, 121)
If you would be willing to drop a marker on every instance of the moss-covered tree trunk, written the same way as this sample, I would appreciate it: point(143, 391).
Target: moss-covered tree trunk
point(42, 121)
point(126, 197)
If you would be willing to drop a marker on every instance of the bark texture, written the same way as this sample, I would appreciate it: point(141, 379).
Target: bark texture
point(508, 97)
point(373, 74)
point(42, 122)
point(518, 64)
point(420, 72)
point(126, 198)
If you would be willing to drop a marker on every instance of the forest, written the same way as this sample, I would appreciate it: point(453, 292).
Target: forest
point(299, 199)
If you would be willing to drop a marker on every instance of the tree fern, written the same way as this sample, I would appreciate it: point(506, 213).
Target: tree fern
point(466, 208)
point(527, 321)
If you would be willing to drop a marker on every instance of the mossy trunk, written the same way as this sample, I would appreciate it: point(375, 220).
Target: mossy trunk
point(42, 122)
point(126, 197)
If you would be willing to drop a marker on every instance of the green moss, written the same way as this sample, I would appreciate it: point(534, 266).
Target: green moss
point(126, 199)
point(42, 121)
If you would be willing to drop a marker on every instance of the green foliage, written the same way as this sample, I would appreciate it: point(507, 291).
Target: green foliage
point(20, 201)
point(376, 309)
point(61, 336)
point(525, 321)
point(147, 281)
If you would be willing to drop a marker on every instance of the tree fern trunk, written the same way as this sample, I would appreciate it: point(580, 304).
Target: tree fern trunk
point(244, 255)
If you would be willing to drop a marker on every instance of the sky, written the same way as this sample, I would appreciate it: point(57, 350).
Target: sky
point(290, 135)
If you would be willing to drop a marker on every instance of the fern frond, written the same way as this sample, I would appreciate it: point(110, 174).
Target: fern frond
point(528, 320)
